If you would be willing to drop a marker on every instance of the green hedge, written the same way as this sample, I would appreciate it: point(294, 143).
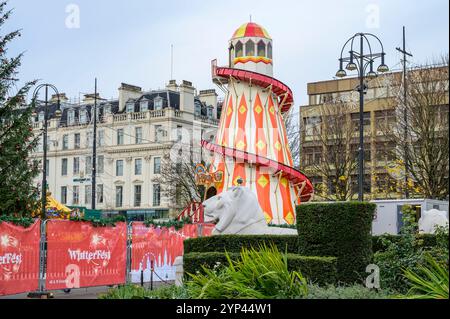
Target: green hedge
point(342, 230)
point(429, 240)
point(319, 270)
point(234, 243)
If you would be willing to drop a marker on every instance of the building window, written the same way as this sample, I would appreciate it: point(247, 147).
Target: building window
point(366, 120)
point(71, 117)
point(119, 168)
point(77, 142)
point(138, 135)
point(76, 195)
point(120, 136)
point(76, 165)
point(158, 133)
point(269, 50)
point(64, 167)
point(130, 107)
point(261, 48)
point(100, 193)
point(119, 196)
point(138, 166)
point(143, 106)
point(87, 194)
point(47, 168)
point(89, 139)
point(101, 138)
point(41, 116)
point(88, 165)
point(156, 195)
point(63, 194)
point(107, 109)
point(83, 116)
point(250, 48)
point(179, 132)
point(100, 164)
point(65, 142)
point(157, 165)
point(158, 102)
point(137, 195)
point(239, 49)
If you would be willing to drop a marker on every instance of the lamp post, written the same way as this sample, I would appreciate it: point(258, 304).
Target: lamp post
point(57, 114)
point(358, 60)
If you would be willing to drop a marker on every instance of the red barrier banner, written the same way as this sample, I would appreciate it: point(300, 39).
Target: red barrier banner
point(81, 255)
point(160, 245)
point(19, 258)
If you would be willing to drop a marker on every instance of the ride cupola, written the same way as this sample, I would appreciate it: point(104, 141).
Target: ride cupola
point(251, 147)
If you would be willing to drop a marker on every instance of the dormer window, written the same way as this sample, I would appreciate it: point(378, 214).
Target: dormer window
point(41, 116)
point(239, 49)
point(261, 48)
point(209, 111)
point(107, 109)
point(250, 48)
point(71, 117)
point(143, 105)
point(130, 107)
point(83, 116)
point(158, 102)
point(198, 109)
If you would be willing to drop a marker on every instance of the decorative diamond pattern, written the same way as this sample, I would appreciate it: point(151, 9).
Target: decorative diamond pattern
point(260, 145)
point(258, 109)
point(242, 109)
point(278, 146)
point(263, 181)
point(284, 182)
point(289, 218)
point(229, 111)
point(240, 145)
point(268, 218)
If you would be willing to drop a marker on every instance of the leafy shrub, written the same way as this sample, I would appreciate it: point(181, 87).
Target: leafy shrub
point(341, 230)
point(319, 270)
point(429, 281)
point(125, 292)
point(260, 274)
point(379, 243)
point(403, 252)
point(345, 292)
point(234, 243)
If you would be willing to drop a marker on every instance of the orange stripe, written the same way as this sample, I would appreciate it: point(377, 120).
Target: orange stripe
point(277, 145)
point(260, 138)
point(244, 60)
point(240, 142)
point(239, 172)
point(229, 114)
point(263, 190)
point(288, 210)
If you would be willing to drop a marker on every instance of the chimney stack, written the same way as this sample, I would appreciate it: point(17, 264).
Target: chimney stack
point(187, 92)
point(126, 92)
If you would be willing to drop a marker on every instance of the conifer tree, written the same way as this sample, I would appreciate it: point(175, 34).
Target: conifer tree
point(18, 196)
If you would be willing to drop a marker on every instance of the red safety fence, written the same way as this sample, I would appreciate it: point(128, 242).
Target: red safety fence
point(158, 247)
point(81, 255)
point(19, 258)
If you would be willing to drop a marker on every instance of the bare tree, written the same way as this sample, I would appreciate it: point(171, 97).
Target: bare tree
point(334, 136)
point(177, 180)
point(293, 135)
point(421, 130)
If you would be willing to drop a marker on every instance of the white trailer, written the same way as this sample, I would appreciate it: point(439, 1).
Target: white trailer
point(388, 217)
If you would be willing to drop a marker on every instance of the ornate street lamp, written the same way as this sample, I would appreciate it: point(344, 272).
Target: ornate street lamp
point(57, 114)
point(359, 61)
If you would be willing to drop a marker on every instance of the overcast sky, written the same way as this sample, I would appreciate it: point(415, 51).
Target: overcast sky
point(129, 41)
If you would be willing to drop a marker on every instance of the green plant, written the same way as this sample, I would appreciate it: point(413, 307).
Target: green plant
point(234, 243)
point(429, 281)
point(261, 274)
point(345, 292)
point(319, 270)
point(428, 241)
point(125, 292)
point(100, 222)
point(19, 221)
point(405, 252)
point(177, 224)
point(341, 230)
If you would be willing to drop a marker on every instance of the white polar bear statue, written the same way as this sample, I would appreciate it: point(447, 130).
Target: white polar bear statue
point(237, 211)
point(430, 219)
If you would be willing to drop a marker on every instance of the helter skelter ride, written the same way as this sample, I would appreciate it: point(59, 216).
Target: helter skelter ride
point(251, 146)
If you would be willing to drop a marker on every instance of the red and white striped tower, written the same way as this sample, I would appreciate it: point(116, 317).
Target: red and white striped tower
point(251, 144)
